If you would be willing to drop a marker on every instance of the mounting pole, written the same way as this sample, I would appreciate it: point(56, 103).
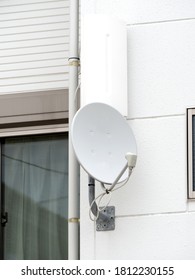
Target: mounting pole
point(73, 167)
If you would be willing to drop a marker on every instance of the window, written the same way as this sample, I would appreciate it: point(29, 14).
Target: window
point(34, 191)
point(191, 151)
point(34, 175)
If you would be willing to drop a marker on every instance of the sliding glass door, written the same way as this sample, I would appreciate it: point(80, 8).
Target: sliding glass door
point(34, 197)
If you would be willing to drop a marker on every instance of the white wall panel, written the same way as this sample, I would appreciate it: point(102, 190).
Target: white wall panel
point(154, 219)
point(158, 183)
point(161, 68)
point(34, 45)
point(140, 11)
point(149, 237)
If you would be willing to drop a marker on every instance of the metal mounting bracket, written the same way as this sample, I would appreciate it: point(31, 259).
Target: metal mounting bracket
point(106, 219)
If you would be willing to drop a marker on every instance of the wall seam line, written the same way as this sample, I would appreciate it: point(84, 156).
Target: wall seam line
point(156, 117)
point(154, 214)
point(160, 21)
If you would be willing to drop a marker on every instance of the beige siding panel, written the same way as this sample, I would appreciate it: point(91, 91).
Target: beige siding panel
point(60, 18)
point(32, 72)
point(45, 85)
point(34, 35)
point(7, 3)
point(36, 28)
point(34, 50)
point(30, 58)
point(34, 45)
point(39, 6)
point(33, 14)
point(10, 67)
point(33, 79)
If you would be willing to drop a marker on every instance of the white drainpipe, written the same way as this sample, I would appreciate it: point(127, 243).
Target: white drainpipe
point(73, 208)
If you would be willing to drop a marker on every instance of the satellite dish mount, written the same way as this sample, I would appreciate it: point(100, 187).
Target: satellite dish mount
point(106, 148)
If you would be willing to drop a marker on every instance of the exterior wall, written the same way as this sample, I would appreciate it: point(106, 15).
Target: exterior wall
point(154, 218)
point(34, 42)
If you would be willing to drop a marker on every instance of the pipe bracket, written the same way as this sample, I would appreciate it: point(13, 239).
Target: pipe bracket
point(74, 220)
point(74, 61)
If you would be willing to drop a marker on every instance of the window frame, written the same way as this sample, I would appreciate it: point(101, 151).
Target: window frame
point(3, 210)
point(34, 113)
point(190, 113)
point(31, 113)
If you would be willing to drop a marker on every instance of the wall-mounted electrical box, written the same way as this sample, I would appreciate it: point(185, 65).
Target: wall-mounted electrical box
point(104, 61)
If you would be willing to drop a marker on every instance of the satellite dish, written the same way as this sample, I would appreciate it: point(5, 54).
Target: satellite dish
point(101, 138)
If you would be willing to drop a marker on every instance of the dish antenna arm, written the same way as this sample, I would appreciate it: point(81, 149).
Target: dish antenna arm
point(118, 177)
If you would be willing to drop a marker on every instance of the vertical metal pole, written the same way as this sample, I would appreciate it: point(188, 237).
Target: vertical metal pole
point(73, 208)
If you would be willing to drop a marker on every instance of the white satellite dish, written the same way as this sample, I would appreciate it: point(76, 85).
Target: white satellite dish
point(101, 139)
